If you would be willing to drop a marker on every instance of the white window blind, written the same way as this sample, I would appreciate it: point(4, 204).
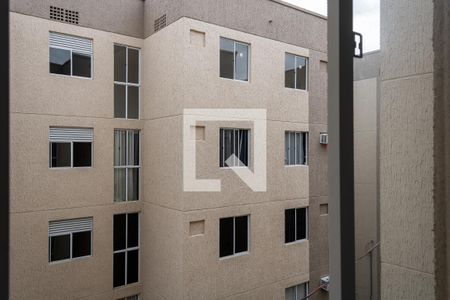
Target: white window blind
point(76, 44)
point(68, 226)
point(71, 134)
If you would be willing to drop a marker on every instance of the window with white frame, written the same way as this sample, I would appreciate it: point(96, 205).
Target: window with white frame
point(234, 59)
point(69, 239)
point(233, 235)
point(70, 55)
point(297, 292)
point(126, 82)
point(295, 72)
point(70, 147)
point(126, 249)
point(234, 147)
point(296, 224)
point(126, 165)
point(295, 148)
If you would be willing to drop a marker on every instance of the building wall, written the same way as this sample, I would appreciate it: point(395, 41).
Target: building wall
point(366, 98)
point(409, 228)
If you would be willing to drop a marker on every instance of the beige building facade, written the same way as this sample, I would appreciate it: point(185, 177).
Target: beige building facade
point(180, 234)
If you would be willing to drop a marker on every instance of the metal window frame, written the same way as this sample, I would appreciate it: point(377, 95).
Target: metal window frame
point(127, 84)
point(287, 160)
point(71, 155)
point(234, 237)
point(341, 225)
point(127, 166)
point(234, 59)
point(222, 163)
point(295, 241)
point(126, 249)
point(295, 71)
point(91, 56)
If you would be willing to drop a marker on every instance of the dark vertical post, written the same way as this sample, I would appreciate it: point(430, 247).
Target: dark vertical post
point(4, 150)
point(340, 160)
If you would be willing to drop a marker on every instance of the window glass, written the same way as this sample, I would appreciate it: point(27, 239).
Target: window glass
point(82, 154)
point(296, 148)
point(241, 67)
point(133, 65)
point(120, 231)
point(226, 58)
point(133, 148)
point(133, 266)
point(241, 234)
point(120, 184)
point(120, 142)
point(301, 73)
point(290, 294)
point(301, 224)
point(119, 100)
point(81, 244)
point(133, 102)
point(289, 73)
point(133, 230)
point(119, 269)
point(226, 236)
point(234, 141)
point(60, 155)
point(60, 247)
point(60, 61)
point(133, 184)
point(289, 225)
point(243, 147)
point(120, 53)
point(81, 65)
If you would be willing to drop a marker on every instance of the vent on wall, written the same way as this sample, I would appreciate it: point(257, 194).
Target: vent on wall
point(63, 15)
point(160, 23)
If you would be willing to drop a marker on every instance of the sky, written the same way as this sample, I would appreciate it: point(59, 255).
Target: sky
point(366, 18)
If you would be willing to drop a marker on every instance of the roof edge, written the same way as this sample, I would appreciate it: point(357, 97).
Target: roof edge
point(304, 10)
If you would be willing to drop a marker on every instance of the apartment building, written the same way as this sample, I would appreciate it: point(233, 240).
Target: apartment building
point(99, 209)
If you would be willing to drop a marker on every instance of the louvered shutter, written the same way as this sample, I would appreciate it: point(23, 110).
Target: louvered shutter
point(68, 226)
point(71, 134)
point(76, 44)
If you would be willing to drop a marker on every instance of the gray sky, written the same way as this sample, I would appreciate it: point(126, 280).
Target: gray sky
point(366, 18)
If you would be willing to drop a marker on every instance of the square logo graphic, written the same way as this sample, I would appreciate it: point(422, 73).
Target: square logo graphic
point(256, 180)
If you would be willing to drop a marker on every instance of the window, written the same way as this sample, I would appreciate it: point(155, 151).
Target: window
point(70, 55)
point(126, 165)
point(297, 292)
point(126, 82)
point(234, 147)
point(296, 224)
point(296, 72)
point(295, 148)
point(126, 249)
point(233, 235)
point(234, 59)
point(69, 239)
point(70, 147)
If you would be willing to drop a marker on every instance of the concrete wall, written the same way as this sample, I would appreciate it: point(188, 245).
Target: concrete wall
point(366, 95)
point(411, 225)
point(119, 16)
point(272, 19)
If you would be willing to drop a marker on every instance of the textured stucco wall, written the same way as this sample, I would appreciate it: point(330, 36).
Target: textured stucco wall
point(406, 151)
point(287, 24)
point(119, 16)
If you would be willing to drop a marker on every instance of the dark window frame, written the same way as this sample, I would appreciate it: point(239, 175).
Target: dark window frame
point(91, 56)
point(234, 253)
point(127, 84)
point(127, 249)
point(295, 74)
point(71, 257)
point(235, 42)
point(306, 208)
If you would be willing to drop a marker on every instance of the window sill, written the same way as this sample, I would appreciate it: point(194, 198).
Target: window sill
point(236, 80)
point(296, 242)
point(237, 167)
point(56, 262)
point(295, 166)
point(235, 255)
point(70, 76)
point(70, 168)
point(294, 89)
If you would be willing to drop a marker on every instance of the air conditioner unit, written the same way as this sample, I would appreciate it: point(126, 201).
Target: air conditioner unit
point(324, 282)
point(323, 138)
